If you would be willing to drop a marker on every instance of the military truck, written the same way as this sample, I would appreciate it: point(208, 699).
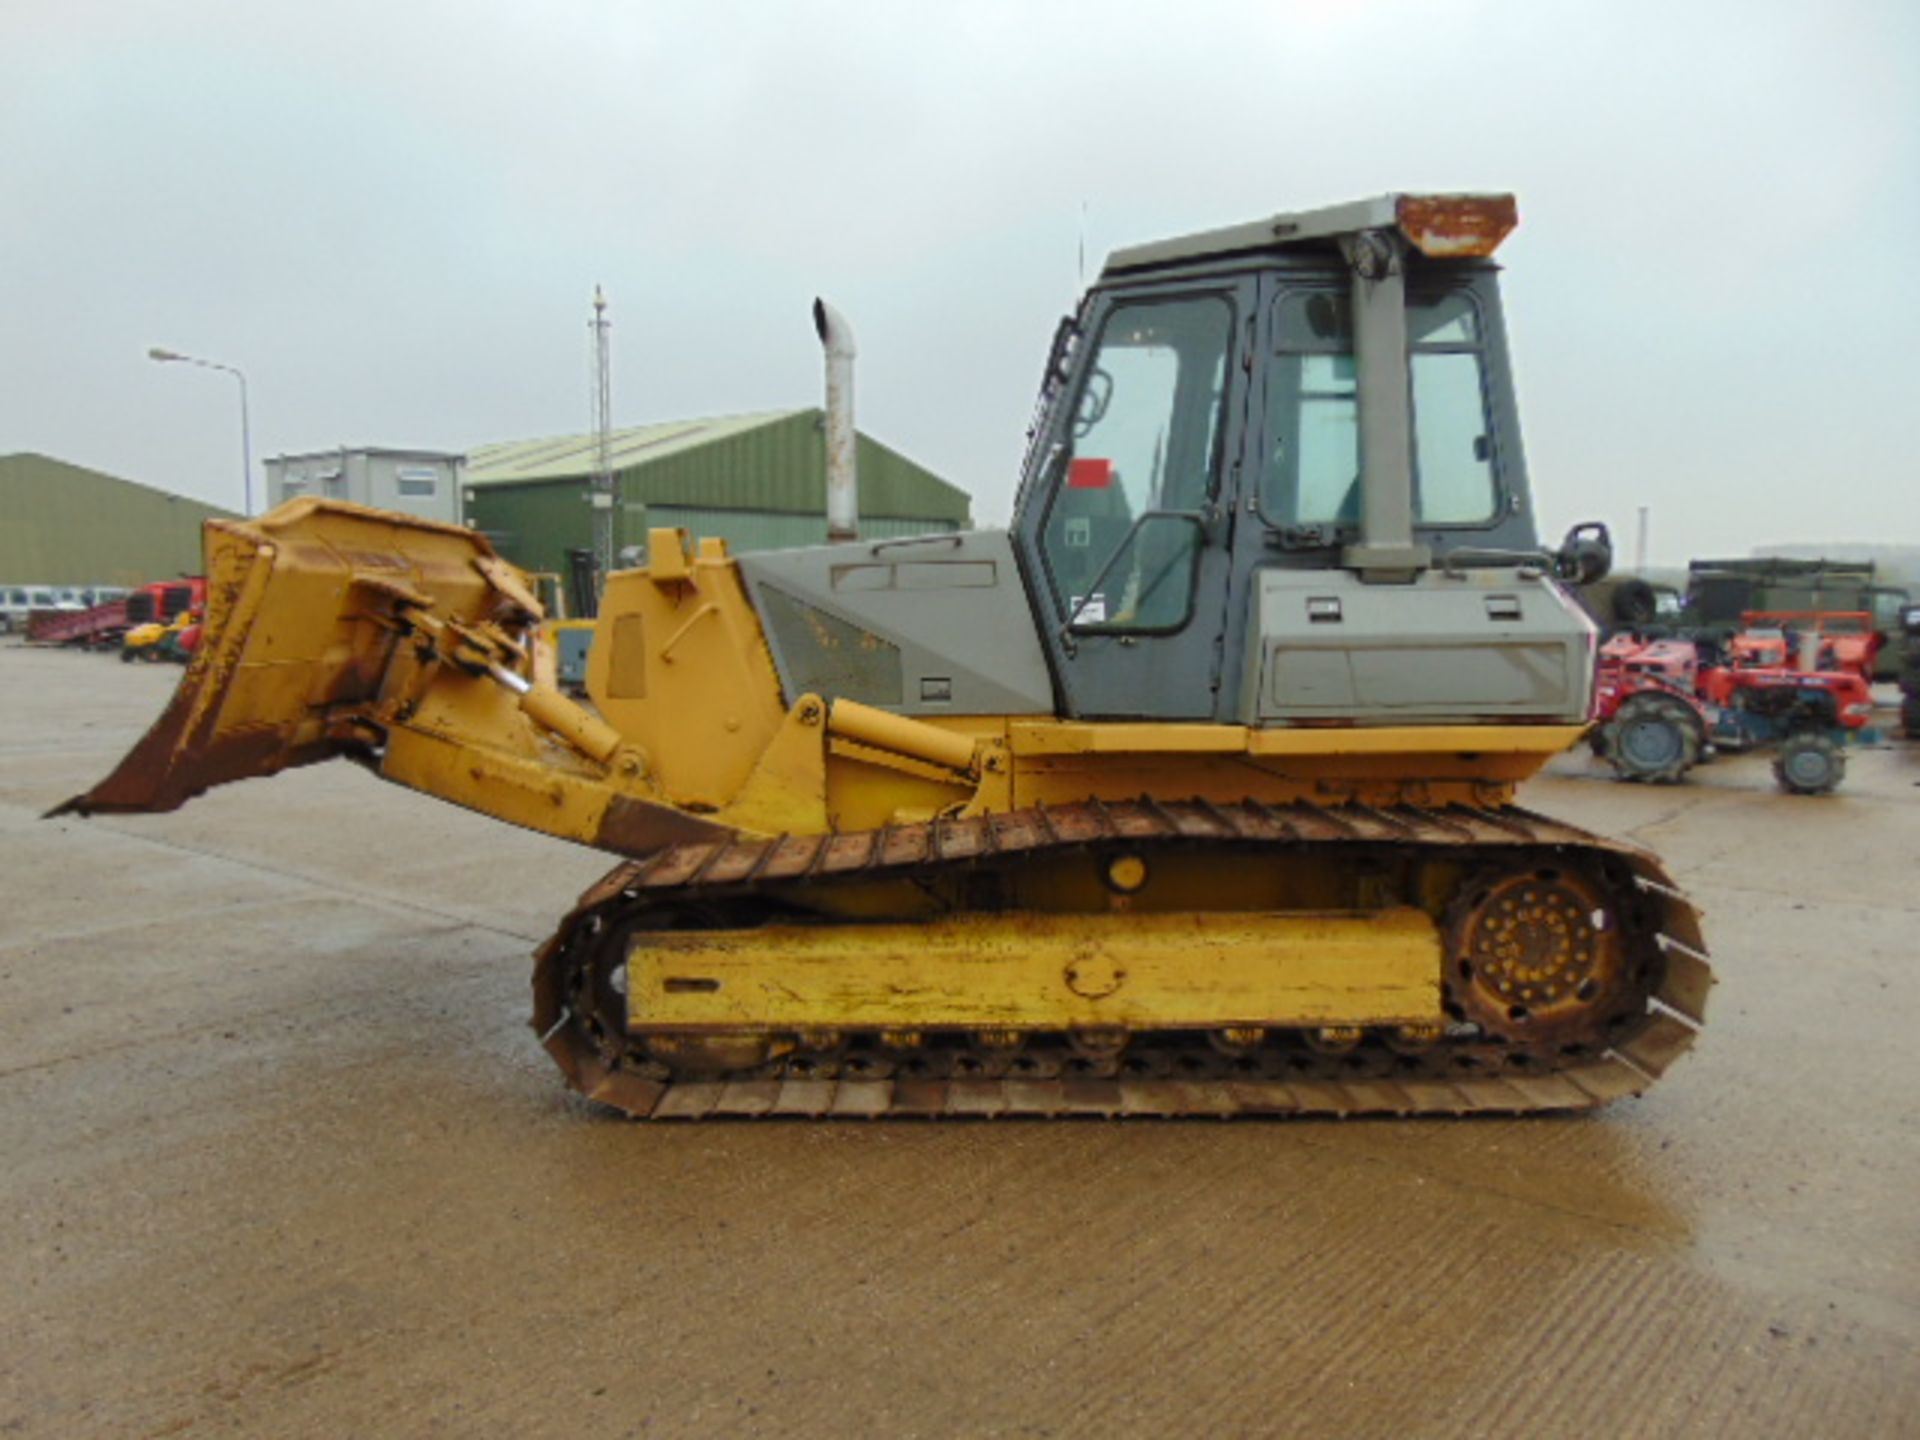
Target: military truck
point(1719, 592)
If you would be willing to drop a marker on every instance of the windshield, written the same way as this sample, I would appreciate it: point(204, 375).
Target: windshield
point(1312, 470)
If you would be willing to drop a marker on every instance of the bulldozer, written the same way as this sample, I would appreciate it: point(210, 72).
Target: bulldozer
point(1193, 791)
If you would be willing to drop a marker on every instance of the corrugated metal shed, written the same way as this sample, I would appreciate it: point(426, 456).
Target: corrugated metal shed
point(758, 481)
point(568, 457)
point(63, 524)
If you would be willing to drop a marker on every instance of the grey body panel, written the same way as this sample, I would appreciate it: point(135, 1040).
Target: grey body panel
point(1475, 647)
point(938, 625)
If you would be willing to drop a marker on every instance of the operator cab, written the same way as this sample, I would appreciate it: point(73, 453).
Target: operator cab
point(1305, 423)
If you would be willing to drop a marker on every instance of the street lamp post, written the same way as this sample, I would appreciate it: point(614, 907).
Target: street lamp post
point(246, 427)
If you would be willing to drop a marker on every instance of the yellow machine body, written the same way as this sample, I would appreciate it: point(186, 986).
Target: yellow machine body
point(335, 630)
point(1336, 912)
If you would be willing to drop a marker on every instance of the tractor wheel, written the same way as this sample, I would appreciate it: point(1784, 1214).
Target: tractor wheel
point(1654, 738)
point(1809, 763)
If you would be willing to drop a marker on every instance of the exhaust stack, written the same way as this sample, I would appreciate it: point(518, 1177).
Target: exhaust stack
point(843, 481)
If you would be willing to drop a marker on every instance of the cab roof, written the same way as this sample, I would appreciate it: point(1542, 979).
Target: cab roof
point(1449, 227)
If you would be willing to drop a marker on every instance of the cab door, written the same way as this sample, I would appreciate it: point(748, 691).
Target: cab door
point(1125, 524)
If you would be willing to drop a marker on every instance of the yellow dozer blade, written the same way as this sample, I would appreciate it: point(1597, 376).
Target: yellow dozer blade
point(338, 630)
point(299, 632)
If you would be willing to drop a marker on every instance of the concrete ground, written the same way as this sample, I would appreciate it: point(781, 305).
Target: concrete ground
point(278, 1155)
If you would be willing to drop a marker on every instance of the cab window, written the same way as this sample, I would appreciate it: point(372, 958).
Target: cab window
point(1312, 470)
point(1122, 537)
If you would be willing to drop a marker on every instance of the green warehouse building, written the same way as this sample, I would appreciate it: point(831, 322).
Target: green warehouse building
point(63, 524)
point(756, 481)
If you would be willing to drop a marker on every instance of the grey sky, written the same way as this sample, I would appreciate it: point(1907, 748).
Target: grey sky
point(392, 216)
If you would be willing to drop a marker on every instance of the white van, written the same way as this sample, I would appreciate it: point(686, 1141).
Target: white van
point(19, 601)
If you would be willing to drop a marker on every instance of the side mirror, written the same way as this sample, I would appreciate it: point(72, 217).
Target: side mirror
point(1586, 555)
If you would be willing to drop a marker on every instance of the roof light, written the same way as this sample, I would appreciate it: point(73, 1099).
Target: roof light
point(1456, 226)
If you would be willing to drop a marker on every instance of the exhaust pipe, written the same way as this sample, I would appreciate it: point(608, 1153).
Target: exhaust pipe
point(843, 481)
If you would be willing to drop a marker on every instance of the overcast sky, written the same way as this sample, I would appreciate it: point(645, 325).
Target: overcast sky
point(392, 216)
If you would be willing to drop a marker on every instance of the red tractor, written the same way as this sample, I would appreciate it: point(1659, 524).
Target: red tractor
point(1910, 673)
point(1650, 722)
point(1819, 640)
point(1797, 681)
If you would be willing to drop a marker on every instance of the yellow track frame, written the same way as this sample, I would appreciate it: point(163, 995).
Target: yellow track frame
point(1029, 970)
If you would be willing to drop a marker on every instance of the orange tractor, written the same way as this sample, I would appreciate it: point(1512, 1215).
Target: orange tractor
point(1799, 681)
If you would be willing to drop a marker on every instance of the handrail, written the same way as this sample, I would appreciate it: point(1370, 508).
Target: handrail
point(951, 537)
point(1451, 561)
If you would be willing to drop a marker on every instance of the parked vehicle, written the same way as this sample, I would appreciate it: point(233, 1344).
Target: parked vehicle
point(571, 639)
point(99, 626)
point(1809, 639)
point(158, 611)
point(1793, 681)
point(1652, 724)
point(1910, 673)
point(19, 602)
point(180, 640)
point(1720, 592)
point(163, 599)
point(1624, 601)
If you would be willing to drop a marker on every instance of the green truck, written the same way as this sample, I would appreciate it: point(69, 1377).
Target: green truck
point(1720, 591)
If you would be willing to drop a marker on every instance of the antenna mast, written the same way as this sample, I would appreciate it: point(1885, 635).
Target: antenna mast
point(602, 438)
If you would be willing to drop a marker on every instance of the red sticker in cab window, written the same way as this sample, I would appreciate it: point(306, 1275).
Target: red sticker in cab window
point(1089, 474)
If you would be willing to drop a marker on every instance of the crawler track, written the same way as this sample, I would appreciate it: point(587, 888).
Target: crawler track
point(1651, 1012)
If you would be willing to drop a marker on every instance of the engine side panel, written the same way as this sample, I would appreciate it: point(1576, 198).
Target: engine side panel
point(931, 627)
point(1440, 649)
